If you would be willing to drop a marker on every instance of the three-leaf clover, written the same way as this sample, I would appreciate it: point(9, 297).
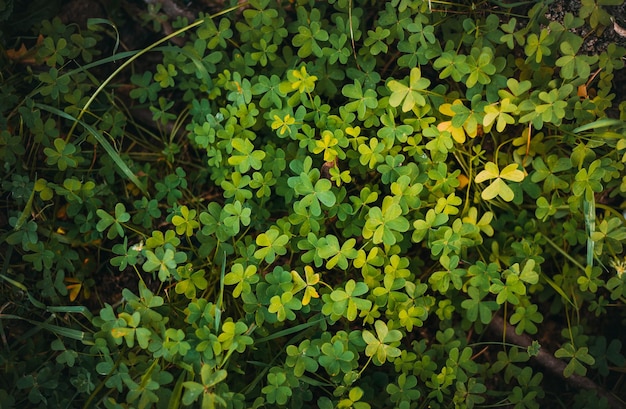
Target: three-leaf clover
point(346, 301)
point(62, 155)
point(336, 357)
point(411, 95)
point(130, 329)
point(115, 222)
point(363, 100)
point(271, 243)
point(315, 192)
point(309, 35)
point(382, 224)
point(307, 284)
point(242, 277)
point(404, 391)
point(164, 261)
point(337, 254)
point(237, 215)
point(500, 114)
point(190, 281)
point(209, 378)
point(498, 187)
point(578, 357)
point(244, 156)
point(283, 306)
point(525, 318)
point(588, 181)
point(185, 222)
point(233, 336)
point(382, 345)
point(513, 285)
point(477, 307)
point(298, 80)
point(302, 357)
point(277, 389)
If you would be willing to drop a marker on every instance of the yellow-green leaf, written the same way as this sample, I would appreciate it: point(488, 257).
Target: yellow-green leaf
point(512, 173)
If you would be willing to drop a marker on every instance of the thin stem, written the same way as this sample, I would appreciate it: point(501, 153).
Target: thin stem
point(564, 253)
point(139, 54)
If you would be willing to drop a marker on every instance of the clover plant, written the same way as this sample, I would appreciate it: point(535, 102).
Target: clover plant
point(341, 204)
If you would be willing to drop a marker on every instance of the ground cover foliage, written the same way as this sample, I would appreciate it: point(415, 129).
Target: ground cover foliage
point(350, 204)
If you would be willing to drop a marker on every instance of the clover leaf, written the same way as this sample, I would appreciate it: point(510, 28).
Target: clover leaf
point(481, 67)
point(404, 391)
point(243, 277)
point(209, 378)
point(63, 155)
point(314, 192)
point(236, 215)
point(381, 346)
point(336, 357)
point(271, 243)
point(509, 290)
point(525, 318)
point(307, 284)
point(346, 301)
point(329, 143)
point(499, 187)
point(477, 307)
point(578, 357)
point(284, 305)
point(190, 281)
point(500, 114)
point(371, 154)
point(164, 261)
point(411, 95)
point(309, 35)
point(363, 100)
point(337, 254)
point(354, 400)
point(298, 80)
point(106, 220)
point(538, 45)
point(303, 357)
point(234, 336)
point(545, 171)
point(245, 157)
point(185, 222)
point(382, 224)
point(130, 329)
point(588, 181)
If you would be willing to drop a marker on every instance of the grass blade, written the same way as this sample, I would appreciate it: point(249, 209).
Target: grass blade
point(117, 159)
point(289, 331)
point(56, 329)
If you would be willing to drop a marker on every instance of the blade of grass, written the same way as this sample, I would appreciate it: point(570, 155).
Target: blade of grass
point(23, 288)
point(201, 71)
point(289, 331)
point(589, 207)
point(71, 309)
point(600, 123)
point(102, 141)
point(142, 52)
point(56, 329)
point(92, 22)
point(554, 285)
point(220, 298)
point(279, 334)
point(26, 212)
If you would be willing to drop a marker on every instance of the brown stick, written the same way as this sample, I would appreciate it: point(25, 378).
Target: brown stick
point(552, 364)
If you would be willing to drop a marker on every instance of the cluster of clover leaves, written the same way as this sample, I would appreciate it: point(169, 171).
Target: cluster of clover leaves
point(324, 204)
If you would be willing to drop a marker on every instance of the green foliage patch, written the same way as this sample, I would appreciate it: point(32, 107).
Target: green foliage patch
point(314, 205)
